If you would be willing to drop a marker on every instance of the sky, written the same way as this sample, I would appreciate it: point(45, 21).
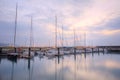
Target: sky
point(99, 20)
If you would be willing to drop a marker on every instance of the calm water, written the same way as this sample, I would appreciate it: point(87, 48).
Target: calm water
point(80, 67)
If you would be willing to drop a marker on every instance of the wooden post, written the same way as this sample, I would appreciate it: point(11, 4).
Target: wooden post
point(98, 50)
point(75, 57)
point(74, 50)
point(103, 50)
point(58, 54)
point(58, 59)
point(15, 50)
point(40, 49)
point(85, 53)
point(85, 50)
point(58, 51)
point(29, 51)
point(0, 50)
point(92, 51)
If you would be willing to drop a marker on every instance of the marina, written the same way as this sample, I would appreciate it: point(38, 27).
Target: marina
point(59, 40)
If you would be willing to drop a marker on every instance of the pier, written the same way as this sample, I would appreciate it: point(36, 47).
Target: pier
point(9, 51)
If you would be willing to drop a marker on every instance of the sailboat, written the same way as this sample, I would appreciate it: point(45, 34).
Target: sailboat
point(14, 54)
point(53, 52)
point(64, 50)
point(28, 53)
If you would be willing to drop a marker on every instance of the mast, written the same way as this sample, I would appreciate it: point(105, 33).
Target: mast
point(74, 42)
point(31, 33)
point(15, 27)
point(74, 38)
point(62, 36)
point(30, 38)
point(55, 31)
point(85, 39)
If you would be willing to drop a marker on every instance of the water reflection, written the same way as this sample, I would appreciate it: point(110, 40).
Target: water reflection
point(12, 72)
point(28, 64)
point(30, 69)
point(12, 59)
point(92, 66)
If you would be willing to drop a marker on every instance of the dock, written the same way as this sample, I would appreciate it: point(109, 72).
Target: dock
point(59, 51)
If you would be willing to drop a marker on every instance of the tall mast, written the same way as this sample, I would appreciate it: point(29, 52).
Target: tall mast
point(85, 39)
point(31, 33)
point(74, 37)
point(55, 31)
point(62, 36)
point(15, 26)
point(30, 38)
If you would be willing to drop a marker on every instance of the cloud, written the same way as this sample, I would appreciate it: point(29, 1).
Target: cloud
point(91, 16)
point(96, 14)
point(110, 32)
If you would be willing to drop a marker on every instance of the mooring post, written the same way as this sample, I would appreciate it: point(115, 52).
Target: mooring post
point(58, 51)
point(85, 50)
point(58, 59)
point(74, 50)
point(0, 50)
point(15, 49)
point(103, 50)
point(98, 50)
point(92, 50)
point(85, 53)
point(29, 51)
point(40, 49)
point(75, 57)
